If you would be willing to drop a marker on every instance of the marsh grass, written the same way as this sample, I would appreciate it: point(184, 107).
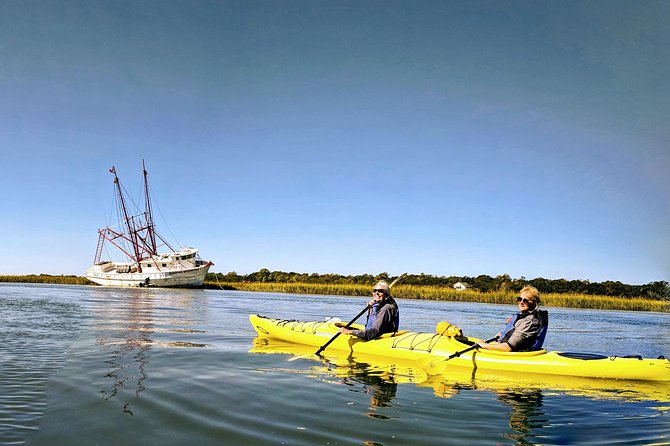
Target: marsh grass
point(449, 294)
point(46, 278)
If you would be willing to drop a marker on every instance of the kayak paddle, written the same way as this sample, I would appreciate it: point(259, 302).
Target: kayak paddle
point(323, 347)
point(435, 366)
point(367, 307)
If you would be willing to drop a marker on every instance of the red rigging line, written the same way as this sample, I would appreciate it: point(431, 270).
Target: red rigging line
point(141, 233)
point(132, 231)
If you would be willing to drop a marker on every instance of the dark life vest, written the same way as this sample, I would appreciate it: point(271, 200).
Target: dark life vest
point(374, 311)
point(541, 317)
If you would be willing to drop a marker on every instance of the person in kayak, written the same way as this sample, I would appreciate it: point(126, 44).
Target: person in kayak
point(383, 316)
point(525, 330)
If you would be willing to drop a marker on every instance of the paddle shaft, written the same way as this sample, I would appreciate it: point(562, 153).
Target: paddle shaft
point(323, 347)
point(457, 354)
point(437, 366)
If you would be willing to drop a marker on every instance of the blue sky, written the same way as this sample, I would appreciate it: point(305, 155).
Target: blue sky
point(527, 138)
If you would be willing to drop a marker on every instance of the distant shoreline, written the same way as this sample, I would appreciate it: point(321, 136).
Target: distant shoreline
point(426, 292)
point(46, 278)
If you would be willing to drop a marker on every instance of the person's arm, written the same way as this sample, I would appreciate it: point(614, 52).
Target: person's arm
point(500, 346)
point(349, 331)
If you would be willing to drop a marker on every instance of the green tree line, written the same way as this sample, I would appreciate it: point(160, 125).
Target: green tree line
point(483, 283)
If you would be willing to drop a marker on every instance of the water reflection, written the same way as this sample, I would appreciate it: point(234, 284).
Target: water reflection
point(380, 386)
point(525, 416)
point(380, 380)
point(456, 378)
point(525, 405)
point(128, 327)
point(126, 331)
point(521, 396)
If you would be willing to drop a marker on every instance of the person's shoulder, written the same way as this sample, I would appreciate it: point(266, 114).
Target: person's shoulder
point(389, 307)
point(543, 315)
point(540, 312)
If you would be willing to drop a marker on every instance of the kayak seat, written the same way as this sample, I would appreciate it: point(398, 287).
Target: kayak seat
point(544, 320)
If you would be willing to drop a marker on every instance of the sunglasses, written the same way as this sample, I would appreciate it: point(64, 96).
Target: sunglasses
point(523, 299)
point(380, 291)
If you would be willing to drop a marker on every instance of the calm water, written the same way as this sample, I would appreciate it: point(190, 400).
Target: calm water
point(96, 366)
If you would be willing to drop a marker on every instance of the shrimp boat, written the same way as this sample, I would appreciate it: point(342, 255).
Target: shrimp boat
point(136, 237)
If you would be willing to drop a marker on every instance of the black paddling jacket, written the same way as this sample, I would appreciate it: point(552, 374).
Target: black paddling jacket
point(382, 318)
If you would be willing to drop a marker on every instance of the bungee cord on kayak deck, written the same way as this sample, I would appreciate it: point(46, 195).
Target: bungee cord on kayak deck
point(401, 340)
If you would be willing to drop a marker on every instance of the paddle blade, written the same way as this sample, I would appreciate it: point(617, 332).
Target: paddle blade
point(397, 279)
point(295, 358)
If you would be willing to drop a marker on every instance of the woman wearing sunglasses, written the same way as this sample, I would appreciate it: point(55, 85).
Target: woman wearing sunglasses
point(383, 316)
point(525, 330)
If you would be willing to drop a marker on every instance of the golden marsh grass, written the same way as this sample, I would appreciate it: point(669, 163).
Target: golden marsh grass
point(46, 278)
point(449, 294)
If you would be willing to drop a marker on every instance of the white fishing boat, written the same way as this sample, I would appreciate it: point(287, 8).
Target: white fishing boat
point(136, 239)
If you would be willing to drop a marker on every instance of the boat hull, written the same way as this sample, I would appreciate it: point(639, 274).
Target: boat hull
point(181, 278)
point(418, 346)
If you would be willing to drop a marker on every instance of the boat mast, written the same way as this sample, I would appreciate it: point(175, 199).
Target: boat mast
point(139, 229)
point(132, 232)
point(151, 234)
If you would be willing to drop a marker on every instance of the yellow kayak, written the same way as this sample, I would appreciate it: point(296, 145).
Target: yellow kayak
point(431, 351)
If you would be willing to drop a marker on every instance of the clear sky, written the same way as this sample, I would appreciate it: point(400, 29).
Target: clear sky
point(529, 138)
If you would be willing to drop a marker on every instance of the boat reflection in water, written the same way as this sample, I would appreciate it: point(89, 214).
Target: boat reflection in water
point(126, 333)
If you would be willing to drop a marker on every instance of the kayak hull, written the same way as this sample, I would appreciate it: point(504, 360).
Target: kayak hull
point(421, 346)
